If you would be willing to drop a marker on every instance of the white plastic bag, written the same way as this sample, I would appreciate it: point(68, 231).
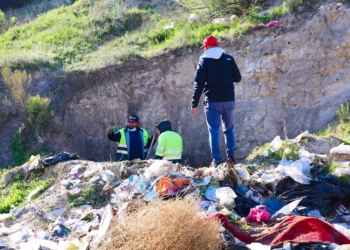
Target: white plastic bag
point(302, 153)
point(53, 215)
point(104, 224)
point(107, 175)
point(341, 149)
point(75, 169)
point(34, 192)
point(243, 173)
point(159, 168)
point(298, 176)
point(276, 144)
point(226, 196)
point(287, 209)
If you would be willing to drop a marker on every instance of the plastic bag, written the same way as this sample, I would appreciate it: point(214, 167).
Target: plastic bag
point(168, 186)
point(34, 192)
point(226, 196)
point(139, 183)
point(159, 168)
point(210, 193)
point(276, 144)
point(341, 149)
point(258, 214)
point(243, 173)
point(53, 215)
point(287, 209)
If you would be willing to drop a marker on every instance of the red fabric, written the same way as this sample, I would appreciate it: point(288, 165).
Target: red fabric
point(295, 229)
point(235, 231)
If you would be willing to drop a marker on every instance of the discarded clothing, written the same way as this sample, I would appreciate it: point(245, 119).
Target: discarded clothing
point(324, 195)
point(53, 159)
point(292, 229)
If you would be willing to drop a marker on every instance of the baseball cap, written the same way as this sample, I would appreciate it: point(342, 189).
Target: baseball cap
point(133, 118)
point(210, 41)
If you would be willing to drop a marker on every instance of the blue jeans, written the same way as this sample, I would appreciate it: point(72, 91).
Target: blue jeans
point(217, 112)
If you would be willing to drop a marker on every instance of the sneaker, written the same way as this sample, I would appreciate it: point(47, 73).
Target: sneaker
point(232, 159)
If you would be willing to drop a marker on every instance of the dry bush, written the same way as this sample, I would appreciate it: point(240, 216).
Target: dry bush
point(18, 82)
point(171, 224)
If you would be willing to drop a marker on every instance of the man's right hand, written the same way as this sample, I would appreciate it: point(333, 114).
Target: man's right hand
point(109, 131)
point(194, 110)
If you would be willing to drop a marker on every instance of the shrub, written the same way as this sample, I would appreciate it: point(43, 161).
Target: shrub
point(171, 224)
point(18, 82)
point(38, 111)
point(18, 147)
point(343, 112)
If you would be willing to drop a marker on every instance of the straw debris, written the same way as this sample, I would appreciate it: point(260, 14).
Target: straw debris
point(171, 224)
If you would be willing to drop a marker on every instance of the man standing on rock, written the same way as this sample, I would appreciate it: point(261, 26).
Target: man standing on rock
point(216, 73)
point(132, 140)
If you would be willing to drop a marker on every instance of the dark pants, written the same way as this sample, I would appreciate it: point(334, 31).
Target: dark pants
point(217, 113)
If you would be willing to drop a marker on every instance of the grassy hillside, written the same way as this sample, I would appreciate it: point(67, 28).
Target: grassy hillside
point(91, 34)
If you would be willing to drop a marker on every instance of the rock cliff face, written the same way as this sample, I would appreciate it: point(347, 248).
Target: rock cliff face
point(296, 74)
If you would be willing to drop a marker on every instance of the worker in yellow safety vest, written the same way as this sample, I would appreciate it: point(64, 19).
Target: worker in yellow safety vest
point(169, 143)
point(132, 140)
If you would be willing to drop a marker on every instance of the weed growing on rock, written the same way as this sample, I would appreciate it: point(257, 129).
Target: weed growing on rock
point(91, 196)
point(343, 112)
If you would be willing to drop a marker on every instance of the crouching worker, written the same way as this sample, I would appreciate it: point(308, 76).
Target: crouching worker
point(132, 140)
point(169, 143)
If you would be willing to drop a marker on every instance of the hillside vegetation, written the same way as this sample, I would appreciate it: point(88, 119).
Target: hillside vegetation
point(91, 34)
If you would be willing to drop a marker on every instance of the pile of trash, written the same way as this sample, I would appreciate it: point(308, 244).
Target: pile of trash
point(291, 205)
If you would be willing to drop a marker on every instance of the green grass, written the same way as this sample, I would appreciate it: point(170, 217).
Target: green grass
point(90, 196)
point(16, 192)
point(340, 130)
point(64, 35)
point(18, 148)
point(86, 37)
point(277, 155)
point(329, 169)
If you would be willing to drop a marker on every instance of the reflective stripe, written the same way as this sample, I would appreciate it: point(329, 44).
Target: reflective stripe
point(159, 154)
point(122, 151)
point(160, 148)
point(173, 152)
point(172, 158)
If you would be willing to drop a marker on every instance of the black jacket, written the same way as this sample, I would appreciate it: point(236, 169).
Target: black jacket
point(163, 126)
point(216, 73)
